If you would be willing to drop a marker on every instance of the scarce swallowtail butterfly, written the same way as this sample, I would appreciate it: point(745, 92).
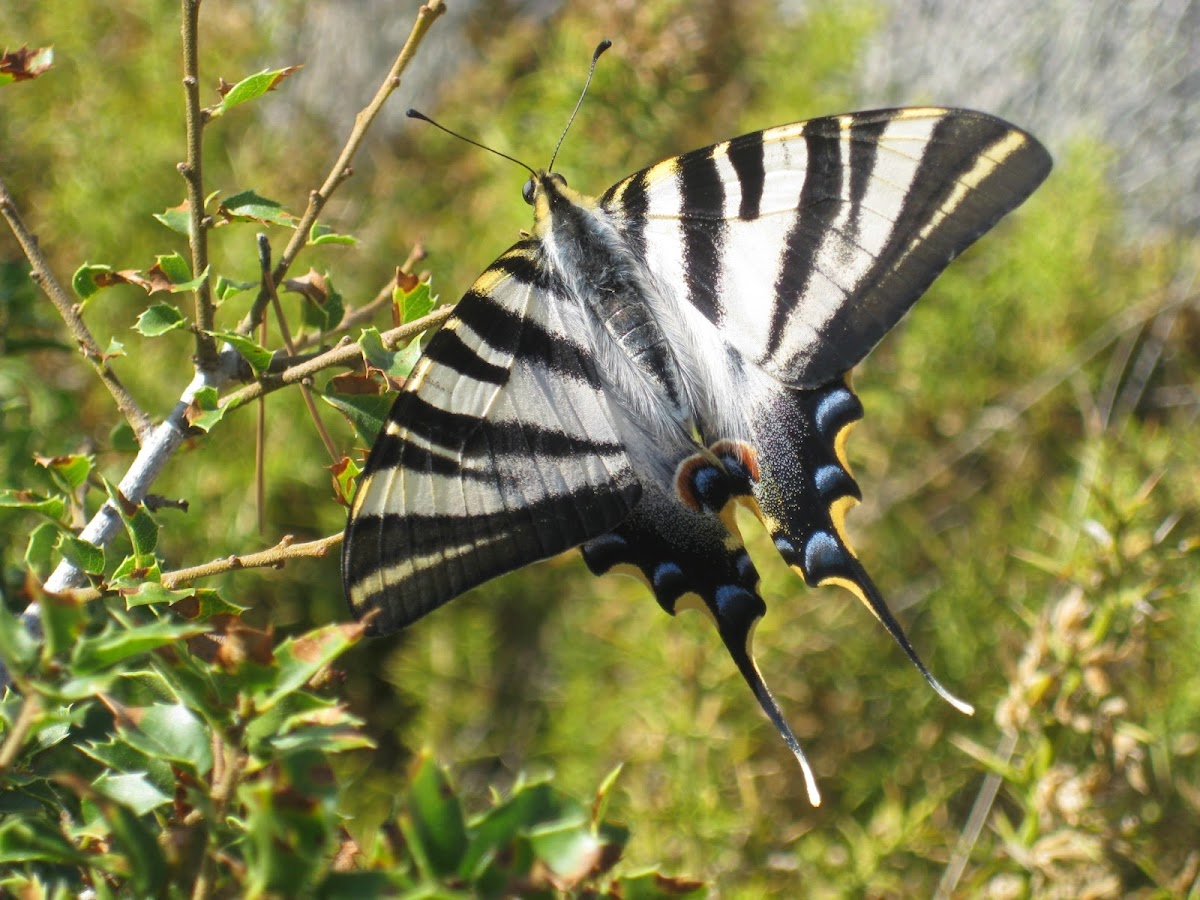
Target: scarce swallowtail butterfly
point(644, 360)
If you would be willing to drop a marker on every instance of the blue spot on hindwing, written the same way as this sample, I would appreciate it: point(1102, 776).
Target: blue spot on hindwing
point(787, 550)
point(668, 579)
point(835, 409)
point(830, 480)
point(823, 554)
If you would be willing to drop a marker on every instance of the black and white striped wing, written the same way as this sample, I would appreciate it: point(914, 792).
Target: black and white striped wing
point(804, 244)
point(499, 451)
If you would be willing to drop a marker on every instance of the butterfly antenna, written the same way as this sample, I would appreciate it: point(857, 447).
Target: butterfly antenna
point(600, 48)
point(414, 114)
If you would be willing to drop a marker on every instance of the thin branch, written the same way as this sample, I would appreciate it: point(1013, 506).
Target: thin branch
point(345, 353)
point(273, 557)
point(341, 169)
point(264, 256)
point(20, 730)
point(44, 278)
point(192, 172)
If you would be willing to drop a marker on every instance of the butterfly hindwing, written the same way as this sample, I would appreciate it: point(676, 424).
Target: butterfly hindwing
point(499, 451)
point(804, 244)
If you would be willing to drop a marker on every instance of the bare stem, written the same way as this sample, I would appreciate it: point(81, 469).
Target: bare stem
point(341, 169)
point(44, 278)
point(20, 730)
point(264, 249)
point(206, 346)
point(273, 557)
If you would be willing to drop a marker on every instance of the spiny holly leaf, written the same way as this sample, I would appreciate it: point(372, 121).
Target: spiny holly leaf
point(366, 413)
point(132, 789)
point(41, 545)
point(226, 288)
point(437, 820)
point(81, 554)
point(324, 309)
point(24, 64)
point(299, 659)
point(414, 303)
point(115, 348)
point(344, 472)
point(250, 88)
point(250, 207)
point(204, 411)
point(166, 731)
point(158, 320)
point(21, 499)
point(177, 218)
point(323, 234)
point(257, 356)
point(114, 645)
point(89, 279)
point(173, 273)
point(395, 364)
point(69, 471)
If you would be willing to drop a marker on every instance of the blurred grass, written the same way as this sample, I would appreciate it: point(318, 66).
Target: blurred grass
point(1049, 575)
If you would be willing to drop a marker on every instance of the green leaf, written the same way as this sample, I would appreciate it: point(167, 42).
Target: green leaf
point(115, 348)
point(173, 273)
point(158, 320)
point(366, 412)
point(18, 648)
point(653, 886)
point(120, 756)
point(79, 553)
point(151, 592)
point(396, 364)
point(63, 619)
point(178, 219)
point(437, 817)
point(84, 282)
point(323, 234)
point(38, 550)
point(226, 288)
point(54, 507)
point(147, 864)
point(257, 356)
point(250, 207)
point(131, 789)
point(326, 313)
point(70, 471)
point(250, 88)
point(26, 839)
point(204, 411)
point(299, 659)
point(117, 645)
point(413, 304)
point(169, 731)
point(122, 438)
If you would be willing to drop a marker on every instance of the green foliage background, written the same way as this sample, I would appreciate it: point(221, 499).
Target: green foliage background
point(1030, 511)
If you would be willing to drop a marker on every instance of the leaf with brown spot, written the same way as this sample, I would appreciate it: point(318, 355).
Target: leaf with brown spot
point(354, 383)
point(312, 285)
point(25, 64)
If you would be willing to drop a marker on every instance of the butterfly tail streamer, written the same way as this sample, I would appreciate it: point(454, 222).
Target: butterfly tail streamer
point(737, 615)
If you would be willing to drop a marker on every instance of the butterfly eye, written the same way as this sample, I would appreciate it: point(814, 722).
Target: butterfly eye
point(527, 192)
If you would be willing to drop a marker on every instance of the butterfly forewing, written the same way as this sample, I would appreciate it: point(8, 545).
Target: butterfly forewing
point(804, 244)
point(499, 451)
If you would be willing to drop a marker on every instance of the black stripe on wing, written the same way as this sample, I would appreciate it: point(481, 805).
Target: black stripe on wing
point(956, 195)
point(498, 452)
